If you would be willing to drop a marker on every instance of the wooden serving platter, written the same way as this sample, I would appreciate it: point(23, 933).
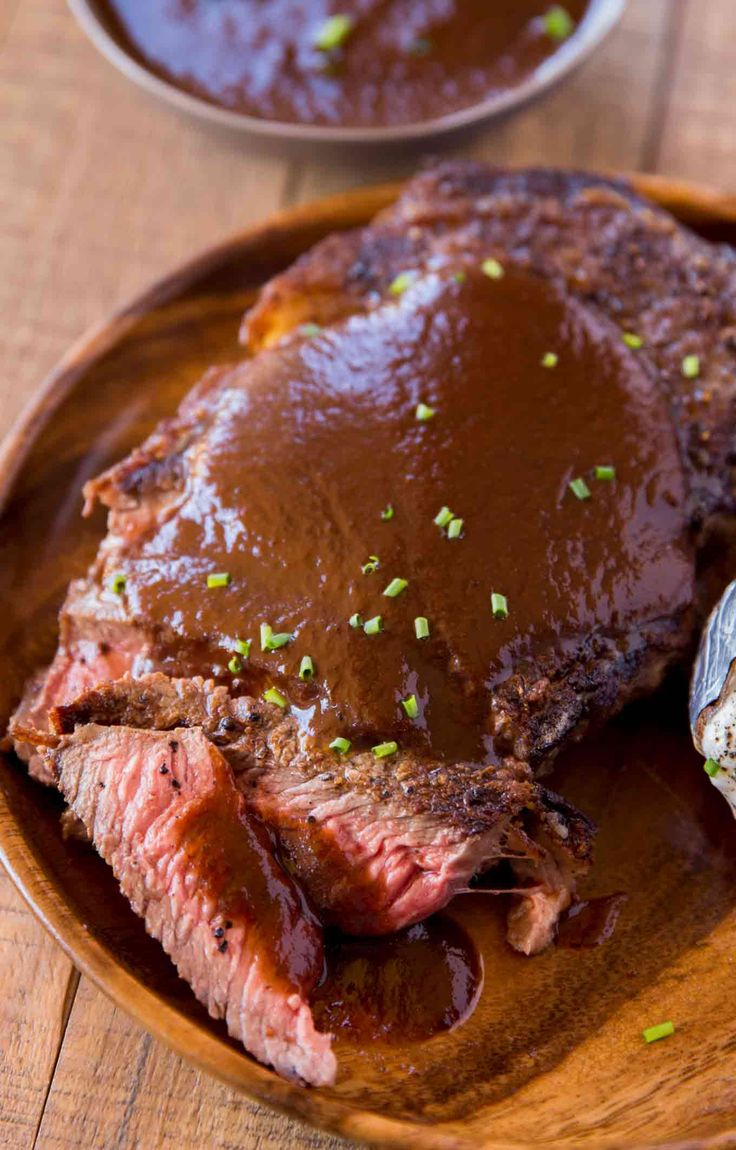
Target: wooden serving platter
point(553, 1055)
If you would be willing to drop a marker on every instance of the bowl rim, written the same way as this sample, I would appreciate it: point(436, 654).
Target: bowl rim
point(598, 22)
point(49, 903)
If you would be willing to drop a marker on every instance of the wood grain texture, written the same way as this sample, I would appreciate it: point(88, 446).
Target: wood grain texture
point(101, 190)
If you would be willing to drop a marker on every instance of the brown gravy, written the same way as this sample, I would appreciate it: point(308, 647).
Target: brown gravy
point(403, 61)
point(311, 441)
point(405, 988)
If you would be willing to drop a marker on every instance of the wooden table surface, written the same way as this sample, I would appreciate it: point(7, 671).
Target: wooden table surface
point(103, 190)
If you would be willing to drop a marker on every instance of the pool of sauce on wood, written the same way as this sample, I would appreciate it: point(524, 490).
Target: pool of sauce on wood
point(403, 61)
point(405, 988)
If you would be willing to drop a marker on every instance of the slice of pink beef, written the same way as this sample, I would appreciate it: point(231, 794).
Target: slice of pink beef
point(163, 810)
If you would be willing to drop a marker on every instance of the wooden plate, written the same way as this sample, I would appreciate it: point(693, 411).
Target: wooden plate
point(94, 18)
point(553, 1055)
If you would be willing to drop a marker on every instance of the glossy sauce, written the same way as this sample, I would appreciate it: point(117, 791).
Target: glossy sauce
point(404, 61)
point(406, 988)
point(310, 441)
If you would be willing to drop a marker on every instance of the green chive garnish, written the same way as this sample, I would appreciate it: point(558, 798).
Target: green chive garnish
point(499, 606)
point(373, 626)
point(371, 566)
point(218, 579)
point(342, 746)
point(443, 517)
point(395, 587)
point(454, 528)
point(117, 584)
point(492, 268)
point(310, 330)
point(333, 33)
point(460, 277)
point(242, 646)
point(271, 642)
point(635, 342)
point(355, 621)
point(387, 513)
point(411, 706)
point(424, 413)
point(711, 768)
point(550, 359)
point(401, 283)
point(421, 627)
point(306, 669)
point(235, 665)
point(654, 1033)
point(385, 749)
point(274, 696)
point(691, 366)
point(605, 472)
point(558, 23)
point(579, 488)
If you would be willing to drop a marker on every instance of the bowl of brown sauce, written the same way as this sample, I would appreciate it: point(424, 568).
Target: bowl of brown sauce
point(346, 71)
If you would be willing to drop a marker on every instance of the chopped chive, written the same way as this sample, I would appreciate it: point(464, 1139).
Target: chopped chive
point(579, 488)
point(387, 513)
point(421, 627)
point(411, 706)
point(711, 768)
point(399, 285)
point(550, 359)
point(242, 646)
point(271, 642)
point(499, 606)
point(654, 1033)
point(333, 33)
point(306, 669)
point(420, 47)
point(443, 517)
point(454, 528)
point(355, 621)
point(395, 587)
point(424, 413)
point(635, 342)
point(493, 269)
point(558, 23)
point(274, 696)
point(373, 626)
point(310, 329)
point(218, 579)
point(460, 277)
point(235, 665)
point(342, 746)
point(605, 472)
point(371, 566)
point(385, 749)
point(117, 584)
point(280, 640)
point(691, 366)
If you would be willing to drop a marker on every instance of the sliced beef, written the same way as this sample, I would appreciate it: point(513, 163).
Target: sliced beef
point(163, 810)
point(376, 847)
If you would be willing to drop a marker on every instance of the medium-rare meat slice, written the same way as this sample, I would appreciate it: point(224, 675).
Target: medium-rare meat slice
point(163, 810)
point(369, 859)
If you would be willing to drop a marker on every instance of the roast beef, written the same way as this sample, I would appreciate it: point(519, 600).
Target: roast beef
point(162, 809)
point(395, 370)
